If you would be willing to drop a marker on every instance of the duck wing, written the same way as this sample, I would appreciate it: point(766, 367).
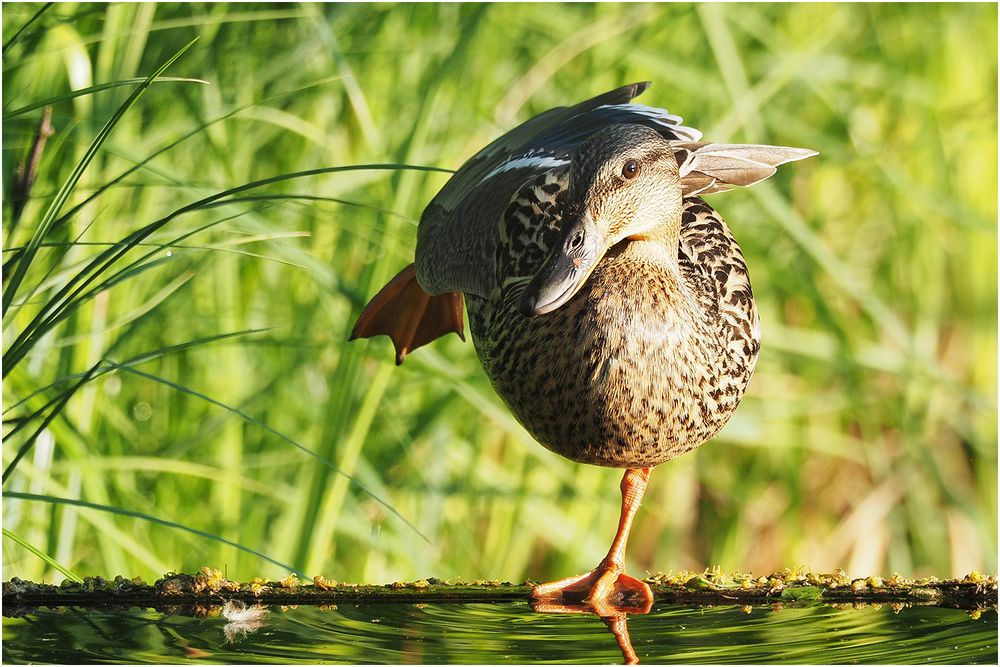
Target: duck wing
point(459, 229)
point(716, 271)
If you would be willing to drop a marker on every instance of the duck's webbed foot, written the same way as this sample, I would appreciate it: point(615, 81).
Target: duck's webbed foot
point(606, 588)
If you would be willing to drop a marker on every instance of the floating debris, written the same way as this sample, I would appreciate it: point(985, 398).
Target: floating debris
point(243, 619)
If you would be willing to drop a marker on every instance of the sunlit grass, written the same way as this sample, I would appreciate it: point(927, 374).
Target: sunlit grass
point(214, 341)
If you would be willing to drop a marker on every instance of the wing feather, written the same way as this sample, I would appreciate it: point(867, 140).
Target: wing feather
point(708, 167)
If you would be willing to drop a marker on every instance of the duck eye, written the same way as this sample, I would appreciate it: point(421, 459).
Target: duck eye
point(630, 169)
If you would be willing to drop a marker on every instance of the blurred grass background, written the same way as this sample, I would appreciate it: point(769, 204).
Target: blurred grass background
point(868, 438)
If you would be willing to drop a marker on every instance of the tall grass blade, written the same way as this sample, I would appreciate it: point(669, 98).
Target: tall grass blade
point(17, 35)
point(41, 232)
point(58, 408)
point(66, 572)
point(256, 422)
point(120, 511)
point(90, 90)
point(56, 308)
point(134, 361)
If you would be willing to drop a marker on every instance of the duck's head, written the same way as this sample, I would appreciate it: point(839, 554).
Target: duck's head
point(623, 183)
point(628, 182)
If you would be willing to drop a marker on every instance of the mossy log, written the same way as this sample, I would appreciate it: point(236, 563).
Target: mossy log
point(209, 588)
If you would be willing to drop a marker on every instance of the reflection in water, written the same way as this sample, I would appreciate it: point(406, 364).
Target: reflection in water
point(619, 628)
point(243, 620)
point(614, 616)
point(501, 633)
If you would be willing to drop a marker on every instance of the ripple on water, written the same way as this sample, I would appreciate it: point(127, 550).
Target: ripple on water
point(503, 633)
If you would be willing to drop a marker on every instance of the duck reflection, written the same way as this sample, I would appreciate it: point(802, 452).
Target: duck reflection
point(614, 615)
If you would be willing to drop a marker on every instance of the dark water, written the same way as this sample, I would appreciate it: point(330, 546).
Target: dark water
point(502, 633)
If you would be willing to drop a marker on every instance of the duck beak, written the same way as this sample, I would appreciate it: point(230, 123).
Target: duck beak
point(567, 268)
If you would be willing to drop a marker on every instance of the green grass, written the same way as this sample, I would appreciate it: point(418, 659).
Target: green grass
point(181, 282)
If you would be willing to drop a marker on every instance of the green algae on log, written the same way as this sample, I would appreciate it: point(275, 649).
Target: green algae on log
point(711, 587)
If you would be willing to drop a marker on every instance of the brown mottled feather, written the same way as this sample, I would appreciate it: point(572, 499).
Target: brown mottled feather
point(646, 362)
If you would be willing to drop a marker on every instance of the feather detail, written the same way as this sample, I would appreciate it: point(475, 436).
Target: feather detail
point(706, 168)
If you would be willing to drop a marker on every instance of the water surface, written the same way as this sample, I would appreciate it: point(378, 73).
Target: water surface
point(501, 633)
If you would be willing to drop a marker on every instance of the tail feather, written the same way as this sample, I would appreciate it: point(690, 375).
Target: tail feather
point(409, 316)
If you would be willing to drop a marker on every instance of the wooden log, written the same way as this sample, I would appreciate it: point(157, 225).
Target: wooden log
point(209, 588)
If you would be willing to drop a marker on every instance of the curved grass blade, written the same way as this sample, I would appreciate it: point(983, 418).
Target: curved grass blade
point(55, 309)
point(136, 167)
point(17, 35)
point(94, 89)
point(223, 247)
point(152, 519)
point(17, 277)
point(133, 361)
point(59, 403)
point(256, 422)
point(66, 572)
point(281, 493)
point(149, 304)
point(318, 198)
point(132, 269)
point(101, 368)
point(23, 422)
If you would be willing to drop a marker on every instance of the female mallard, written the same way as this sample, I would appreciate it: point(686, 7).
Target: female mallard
point(610, 307)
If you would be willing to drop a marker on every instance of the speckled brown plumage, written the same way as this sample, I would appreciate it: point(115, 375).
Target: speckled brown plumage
point(646, 362)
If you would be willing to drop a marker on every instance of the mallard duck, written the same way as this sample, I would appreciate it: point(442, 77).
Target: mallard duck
point(610, 306)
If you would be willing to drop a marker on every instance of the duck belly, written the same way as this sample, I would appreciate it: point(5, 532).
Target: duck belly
point(630, 373)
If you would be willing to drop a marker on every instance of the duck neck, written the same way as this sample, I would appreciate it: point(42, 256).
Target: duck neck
point(660, 243)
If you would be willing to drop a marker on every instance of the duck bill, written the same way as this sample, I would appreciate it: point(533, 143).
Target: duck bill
point(566, 269)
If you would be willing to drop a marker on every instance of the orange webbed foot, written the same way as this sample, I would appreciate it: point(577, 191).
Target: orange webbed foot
point(409, 316)
point(606, 589)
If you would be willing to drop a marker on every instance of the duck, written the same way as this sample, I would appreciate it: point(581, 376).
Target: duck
point(609, 305)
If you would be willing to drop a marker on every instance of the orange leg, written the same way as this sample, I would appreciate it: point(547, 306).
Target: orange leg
point(606, 585)
point(618, 625)
point(616, 620)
